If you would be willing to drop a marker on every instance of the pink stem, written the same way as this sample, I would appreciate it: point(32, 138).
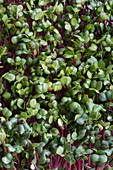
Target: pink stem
point(27, 147)
point(47, 47)
point(69, 167)
point(15, 168)
point(79, 164)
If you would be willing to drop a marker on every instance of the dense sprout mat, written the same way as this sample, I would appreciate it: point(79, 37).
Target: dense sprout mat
point(56, 85)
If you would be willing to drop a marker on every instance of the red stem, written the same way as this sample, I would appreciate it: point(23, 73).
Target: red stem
point(111, 101)
point(15, 154)
point(73, 166)
point(7, 2)
point(110, 109)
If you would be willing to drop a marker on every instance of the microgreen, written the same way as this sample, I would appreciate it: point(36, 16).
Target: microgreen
point(56, 84)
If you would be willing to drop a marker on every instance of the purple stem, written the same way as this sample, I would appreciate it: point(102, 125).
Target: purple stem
point(33, 54)
point(52, 23)
point(76, 143)
point(30, 22)
point(27, 164)
point(62, 133)
point(73, 166)
point(75, 62)
point(65, 165)
point(65, 4)
point(82, 164)
point(89, 160)
point(4, 84)
point(81, 57)
point(97, 98)
point(61, 160)
point(51, 161)
point(103, 134)
point(25, 104)
point(27, 147)
point(57, 162)
point(56, 93)
point(112, 133)
point(37, 159)
point(50, 77)
point(3, 104)
point(79, 164)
